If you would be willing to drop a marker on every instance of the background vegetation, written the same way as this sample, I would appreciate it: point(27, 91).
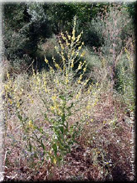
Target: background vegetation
point(69, 91)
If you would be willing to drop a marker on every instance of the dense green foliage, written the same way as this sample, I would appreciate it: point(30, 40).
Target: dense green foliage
point(24, 32)
point(26, 26)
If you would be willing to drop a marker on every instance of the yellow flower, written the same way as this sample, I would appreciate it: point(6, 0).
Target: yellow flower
point(67, 81)
point(78, 37)
point(56, 106)
point(79, 81)
point(86, 82)
point(79, 48)
point(52, 108)
point(10, 101)
point(91, 120)
point(57, 81)
point(77, 96)
point(88, 91)
point(54, 161)
point(69, 37)
point(64, 68)
point(50, 151)
point(84, 69)
point(83, 53)
point(30, 124)
point(63, 58)
point(67, 43)
point(80, 78)
point(57, 66)
point(54, 97)
point(63, 36)
point(18, 104)
point(95, 103)
point(62, 47)
point(73, 33)
point(88, 107)
point(59, 41)
point(77, 53)
point(80, 66)
point(72, 65)
point(59, 112)
point(46, 61)
point(45, 83)
point(51, 69)
point(8, 75)
point(97, 84)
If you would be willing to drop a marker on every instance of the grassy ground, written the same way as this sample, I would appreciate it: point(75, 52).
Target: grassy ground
point(102, 146)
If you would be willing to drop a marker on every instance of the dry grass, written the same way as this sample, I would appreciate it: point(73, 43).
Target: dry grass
point(59, 127)
point(103, 144)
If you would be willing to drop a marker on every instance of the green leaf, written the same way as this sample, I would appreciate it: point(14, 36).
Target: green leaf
point(62, 97)
point(20, 117)
point(46, 117)
point(63, 118)
point(54, 146)
point(42, 145)
point(39, 129)
point(61, 128)
point(26, 119)
point(30, 147)
point(70, 96)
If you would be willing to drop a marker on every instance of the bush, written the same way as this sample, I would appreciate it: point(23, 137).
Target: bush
point(59, 96)
point(125, 79)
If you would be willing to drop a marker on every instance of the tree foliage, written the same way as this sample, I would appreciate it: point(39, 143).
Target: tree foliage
point(28, 25)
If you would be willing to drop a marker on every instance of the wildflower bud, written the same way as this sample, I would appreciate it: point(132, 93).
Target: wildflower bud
point(72, 65)
point(69, 37)
point(46, 61)
point(30, 124)
point(79, 48)
point(82, 54)
point(62, 47)
point(84, 69)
